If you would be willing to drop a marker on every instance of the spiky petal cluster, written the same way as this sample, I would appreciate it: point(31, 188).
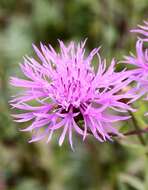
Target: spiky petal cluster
point(140, 60)
point(62, 90)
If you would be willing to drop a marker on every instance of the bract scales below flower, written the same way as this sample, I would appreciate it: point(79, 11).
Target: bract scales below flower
point(70, 95)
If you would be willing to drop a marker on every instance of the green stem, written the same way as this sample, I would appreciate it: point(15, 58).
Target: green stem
point(139, 135)
point(143, 142)
point(146, 172)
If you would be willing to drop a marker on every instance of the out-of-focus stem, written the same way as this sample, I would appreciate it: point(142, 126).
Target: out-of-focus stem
point(139, 135)
point(133, 132)
point(143, 142)
point(146, 172)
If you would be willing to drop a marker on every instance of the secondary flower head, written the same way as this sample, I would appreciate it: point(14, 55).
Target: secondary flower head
point(140, 61)
point(62, 90)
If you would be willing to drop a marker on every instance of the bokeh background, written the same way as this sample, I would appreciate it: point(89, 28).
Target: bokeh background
point(117, 165)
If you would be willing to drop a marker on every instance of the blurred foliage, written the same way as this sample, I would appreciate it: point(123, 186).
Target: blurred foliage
point(118, 165)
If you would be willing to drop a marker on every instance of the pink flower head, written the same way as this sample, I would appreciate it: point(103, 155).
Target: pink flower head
point(143, 30)
point(140, 60)
point(63, 91)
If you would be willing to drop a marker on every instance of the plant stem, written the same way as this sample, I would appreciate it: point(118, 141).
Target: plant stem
point(146, 172)
point(142, 140)
point(139, 135)
point(133, 132)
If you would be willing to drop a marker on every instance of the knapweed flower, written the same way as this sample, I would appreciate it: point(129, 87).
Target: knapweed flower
point(63, 91)
point(142, 30)
point(140, 60)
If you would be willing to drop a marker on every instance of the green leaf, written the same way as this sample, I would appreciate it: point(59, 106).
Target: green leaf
point(133, 181)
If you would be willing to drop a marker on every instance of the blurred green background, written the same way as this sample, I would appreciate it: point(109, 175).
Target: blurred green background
point(119, 165)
